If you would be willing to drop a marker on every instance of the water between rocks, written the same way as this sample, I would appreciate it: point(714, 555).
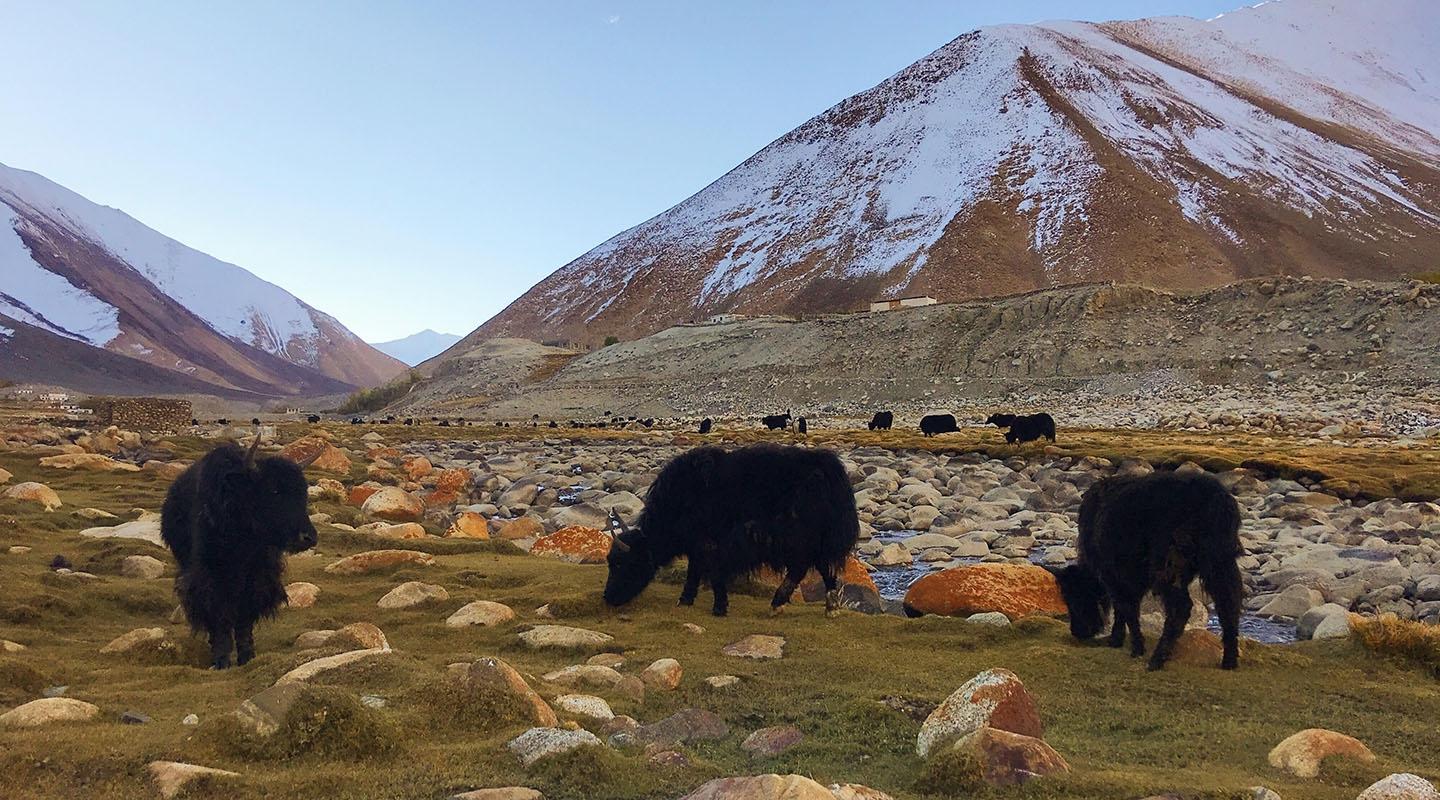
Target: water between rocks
point(893, 582)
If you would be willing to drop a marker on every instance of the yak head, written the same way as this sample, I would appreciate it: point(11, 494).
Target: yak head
point(1086, 599)
point(1001, 420)
point(267, 496)
point(630, 562)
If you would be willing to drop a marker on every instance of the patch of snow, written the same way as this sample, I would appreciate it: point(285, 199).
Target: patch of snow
point(35, 295)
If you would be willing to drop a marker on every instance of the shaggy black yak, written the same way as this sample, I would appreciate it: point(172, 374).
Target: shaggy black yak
point(1155, 533)
point(933, 424)
point(1024, 428)
point(882, 421)
point(229, 519)
point(730, 513)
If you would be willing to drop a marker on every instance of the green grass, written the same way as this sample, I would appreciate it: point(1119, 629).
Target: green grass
point(1127, 733)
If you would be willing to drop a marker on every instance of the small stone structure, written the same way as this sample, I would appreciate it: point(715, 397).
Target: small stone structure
point(142, 413)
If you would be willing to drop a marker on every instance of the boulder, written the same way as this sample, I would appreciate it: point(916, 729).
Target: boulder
point(664, 674)
point(538, 743)
point(1400, 786)
point(301, 594)
point(146, 568)
point(762, 787)
point(564, 637)
point(364, 635)
point(995, 699)
point(576, 544)
point(468, 525)
point(1015, 590)
point(328, 457)
point(492, 675)
point(1007, 758)
point(393, 504)
point(484, 613)
point(683, 727)
point(757, 646)
point(521, 528)
point(88, 462)
point(584, 705)
point(579, 675)
point(582, 515)
point(413, 593)
point(171, 777)
point(417, 467)
point(503, 793)
point(1310, 620)
point(143, 529)
point(374, 560)
point(310, 669)
point(263, 715)
point(33, 492)
point(772, 741)
point(47, 710)
point(1301, 753)
point(400, 530)
point(139, 637)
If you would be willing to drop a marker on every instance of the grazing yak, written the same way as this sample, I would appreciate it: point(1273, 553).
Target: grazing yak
point(313, 418)
point(776, 422)
point(229, 519)
point(730, 513)
point(882, 421)
point(932, 424)
point(801, 427)
point(1024, 428)
point(1155, 533)
point(705, 425)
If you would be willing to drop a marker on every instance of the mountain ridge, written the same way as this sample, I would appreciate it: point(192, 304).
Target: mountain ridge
point(1017, 157)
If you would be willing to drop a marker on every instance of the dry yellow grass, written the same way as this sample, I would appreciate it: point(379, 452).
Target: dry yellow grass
point(1389, 635)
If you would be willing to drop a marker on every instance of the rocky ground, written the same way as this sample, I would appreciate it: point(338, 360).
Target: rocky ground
point(455, 593)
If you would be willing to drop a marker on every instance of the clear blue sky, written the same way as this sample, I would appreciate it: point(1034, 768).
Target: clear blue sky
point(421, 164)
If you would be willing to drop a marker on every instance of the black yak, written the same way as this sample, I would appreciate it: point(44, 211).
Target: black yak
point(1024, 428)
point(776, 421)
point(409, 420)
point(705, 425)
point(229, 519)
point(254, 420)
point(801, 427)
point(882, 421)
point(553, 425)
point(1155, 533)
point(932, 424)
point(313, 418)
point(222, 421)
point(730, 513)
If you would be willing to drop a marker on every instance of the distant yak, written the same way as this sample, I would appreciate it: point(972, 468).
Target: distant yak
point(705, 425)
point(313, 418)
point(229, 519)
point(730, 513)
point(933, 424)
point(1155, 533)
point(882, 421)
point(801, 427)
point(1024, 428)
point(776, 421)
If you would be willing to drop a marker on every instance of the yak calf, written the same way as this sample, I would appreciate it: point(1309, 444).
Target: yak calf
point(1155, 533)
point(229, 519)
point(730, 513)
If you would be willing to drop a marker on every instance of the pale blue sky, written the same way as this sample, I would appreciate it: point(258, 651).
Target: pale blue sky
point(414, 165)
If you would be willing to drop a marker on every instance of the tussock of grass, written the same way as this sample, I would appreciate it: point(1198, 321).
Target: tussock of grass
point(19, 681)
point(324, 722)
point(598, 772)
point(951, 773)
point(1391, 636)
point(585, 605)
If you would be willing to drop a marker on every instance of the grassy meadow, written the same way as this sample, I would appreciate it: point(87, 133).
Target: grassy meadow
point(857, 686)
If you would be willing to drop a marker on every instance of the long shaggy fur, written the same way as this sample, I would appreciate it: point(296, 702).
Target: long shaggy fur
point(1024, 428)
point(228, 523)
point(730, 513)
point(882, 420)
point(776, 421)
point(1155, 533)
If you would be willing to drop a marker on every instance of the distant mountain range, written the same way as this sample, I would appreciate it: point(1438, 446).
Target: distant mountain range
point(417, 346)
point(1295, 137)
point(93, 300)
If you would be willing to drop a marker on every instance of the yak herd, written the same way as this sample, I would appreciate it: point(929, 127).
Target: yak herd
point(230, 518)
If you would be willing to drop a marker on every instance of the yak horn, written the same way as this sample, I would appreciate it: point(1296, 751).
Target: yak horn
point(617, 527)
point(254, 445)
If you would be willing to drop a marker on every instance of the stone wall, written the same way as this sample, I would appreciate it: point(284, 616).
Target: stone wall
point(142, 413)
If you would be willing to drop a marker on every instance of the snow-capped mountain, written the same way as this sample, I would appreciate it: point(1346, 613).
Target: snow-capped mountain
point(1297, 136)
point(417, 346)
point(76, 270)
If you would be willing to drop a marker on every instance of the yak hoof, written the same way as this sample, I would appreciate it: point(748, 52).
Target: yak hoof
point(776, 611)
point(687, 601)
point(1154, 666)
point(1228, 664)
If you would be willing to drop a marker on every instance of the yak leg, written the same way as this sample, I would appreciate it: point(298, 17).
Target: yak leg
point(1127, 619)
point(832, 589)
point(244, 642)
point(222, 641)
point(1227, 607)
point(722, 595)
point(787, 589)
point(1119, 623)
point(692, 582)
point(1178, 604)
